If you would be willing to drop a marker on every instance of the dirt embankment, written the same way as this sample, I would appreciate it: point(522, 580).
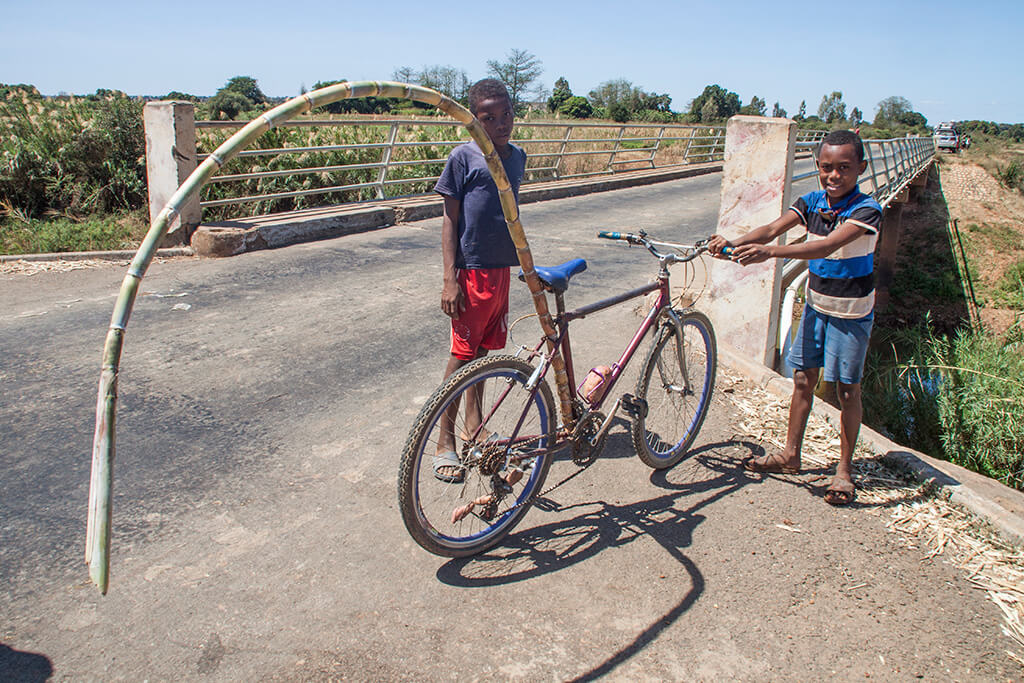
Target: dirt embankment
point(991, 223)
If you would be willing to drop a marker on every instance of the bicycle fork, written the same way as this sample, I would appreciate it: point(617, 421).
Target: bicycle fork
point(678, 324)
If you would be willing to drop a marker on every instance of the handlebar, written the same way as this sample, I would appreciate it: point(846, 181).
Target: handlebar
point(641, 239)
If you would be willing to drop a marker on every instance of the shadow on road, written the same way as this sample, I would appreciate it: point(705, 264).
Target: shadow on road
point(601, 525)
point(24, 667)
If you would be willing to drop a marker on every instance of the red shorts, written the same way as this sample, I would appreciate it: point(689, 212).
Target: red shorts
point(483, 324)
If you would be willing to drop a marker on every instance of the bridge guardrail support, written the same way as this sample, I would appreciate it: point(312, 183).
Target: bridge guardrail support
point(888, 241)
point(759, 154)
point(170, 128)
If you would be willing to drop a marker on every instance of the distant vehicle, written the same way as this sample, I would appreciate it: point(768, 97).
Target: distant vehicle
point(947, 137)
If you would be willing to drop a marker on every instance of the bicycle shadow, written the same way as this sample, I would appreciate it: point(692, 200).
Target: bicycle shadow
point(602, 525)
point(528, 553)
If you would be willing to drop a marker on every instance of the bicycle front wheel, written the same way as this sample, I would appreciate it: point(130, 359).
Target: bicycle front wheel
point(499, 468)
point(678, 395)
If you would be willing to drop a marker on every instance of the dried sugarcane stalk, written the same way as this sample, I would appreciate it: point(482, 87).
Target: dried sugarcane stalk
point(97, 544)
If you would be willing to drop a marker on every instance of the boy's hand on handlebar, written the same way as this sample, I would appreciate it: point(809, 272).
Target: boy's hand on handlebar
point(717, 244)
point(453, 302)
point(749, 254)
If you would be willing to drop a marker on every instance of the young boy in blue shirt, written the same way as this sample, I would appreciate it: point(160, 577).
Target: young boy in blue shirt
point(842, 228)
point(477, 252)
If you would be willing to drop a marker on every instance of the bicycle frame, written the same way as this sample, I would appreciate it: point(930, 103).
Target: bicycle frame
point(564, 347)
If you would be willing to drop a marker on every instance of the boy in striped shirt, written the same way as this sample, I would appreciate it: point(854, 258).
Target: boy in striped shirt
point(842, 227)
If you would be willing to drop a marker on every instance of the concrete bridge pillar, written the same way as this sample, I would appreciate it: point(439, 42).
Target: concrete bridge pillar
point(170, 158)
point(745, 301)
point(885, 250)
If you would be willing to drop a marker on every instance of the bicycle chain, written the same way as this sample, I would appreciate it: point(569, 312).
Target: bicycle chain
point(582, 463)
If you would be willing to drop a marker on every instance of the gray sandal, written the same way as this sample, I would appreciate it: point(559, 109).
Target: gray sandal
point(449, 459)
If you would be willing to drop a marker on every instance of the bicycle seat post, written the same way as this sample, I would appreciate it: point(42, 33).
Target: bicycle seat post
point(560, 303)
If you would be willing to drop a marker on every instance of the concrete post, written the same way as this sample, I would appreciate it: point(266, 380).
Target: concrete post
point(918, 184)
point(170, 158)
point(745, 301)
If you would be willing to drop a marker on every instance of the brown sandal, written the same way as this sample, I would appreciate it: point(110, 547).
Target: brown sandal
point(769, 467)
point(839, 497)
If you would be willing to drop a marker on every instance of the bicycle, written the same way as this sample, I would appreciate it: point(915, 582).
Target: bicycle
point(505, 458)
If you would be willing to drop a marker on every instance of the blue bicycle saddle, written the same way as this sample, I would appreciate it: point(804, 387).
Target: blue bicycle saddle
point(557, 277)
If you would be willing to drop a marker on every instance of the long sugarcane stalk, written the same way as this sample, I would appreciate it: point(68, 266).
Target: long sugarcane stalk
point(97, 544)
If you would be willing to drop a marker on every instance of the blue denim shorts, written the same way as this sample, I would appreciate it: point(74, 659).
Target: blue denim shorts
point(838, 345)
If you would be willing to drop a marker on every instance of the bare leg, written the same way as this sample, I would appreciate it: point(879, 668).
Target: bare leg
point(446, 437)
point(799, 410)
point(841, 490)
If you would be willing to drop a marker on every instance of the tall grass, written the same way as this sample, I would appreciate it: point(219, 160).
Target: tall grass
point(959, 397)
point(71, 155)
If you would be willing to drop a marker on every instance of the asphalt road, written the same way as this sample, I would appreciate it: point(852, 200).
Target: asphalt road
point(263, 403)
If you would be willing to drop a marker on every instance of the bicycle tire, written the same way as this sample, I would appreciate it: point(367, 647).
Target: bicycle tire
point(427, 503)
point(663, 436)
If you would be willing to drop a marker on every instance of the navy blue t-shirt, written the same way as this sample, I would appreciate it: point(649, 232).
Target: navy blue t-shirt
point(484, 241)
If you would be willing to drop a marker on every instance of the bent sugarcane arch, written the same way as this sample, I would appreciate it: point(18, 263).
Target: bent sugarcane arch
point(98, 532)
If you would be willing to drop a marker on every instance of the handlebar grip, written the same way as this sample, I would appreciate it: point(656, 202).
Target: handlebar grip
point(604, 234)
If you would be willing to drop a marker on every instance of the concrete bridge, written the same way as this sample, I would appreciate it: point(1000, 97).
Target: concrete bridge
point(264, 400)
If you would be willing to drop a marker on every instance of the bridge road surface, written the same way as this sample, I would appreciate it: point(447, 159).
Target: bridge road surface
point(264, 400)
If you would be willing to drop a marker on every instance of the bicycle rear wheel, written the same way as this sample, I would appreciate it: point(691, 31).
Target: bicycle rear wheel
point(428, 503)
point(678, 397)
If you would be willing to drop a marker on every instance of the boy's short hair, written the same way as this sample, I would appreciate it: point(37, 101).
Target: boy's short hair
point(487, 89)
point(844, 137)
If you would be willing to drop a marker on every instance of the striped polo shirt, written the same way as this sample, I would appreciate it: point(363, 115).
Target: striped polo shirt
point(843, 283)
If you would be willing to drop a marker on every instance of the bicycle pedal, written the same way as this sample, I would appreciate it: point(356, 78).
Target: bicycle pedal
point(635, 407)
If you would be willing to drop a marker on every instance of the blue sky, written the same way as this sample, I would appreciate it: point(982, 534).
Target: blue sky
point(952, 60)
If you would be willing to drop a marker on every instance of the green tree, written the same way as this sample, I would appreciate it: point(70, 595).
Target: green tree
point(832, 107)
point(913, 119)
point(247, 87)
point(519, 72)
point(405, 74)
point(619, 112)
point(577, 107)
point(778, 112)
point(650, 101)
point(447, 80)
point(714, 103)
point(228, 104)
point(801, 113)
point(559, 95)
point(890, 109)
point(856, 116)
point(618, 91)
point(177, 95)
point(757, 107)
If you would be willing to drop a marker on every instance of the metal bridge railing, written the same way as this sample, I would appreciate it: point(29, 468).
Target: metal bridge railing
point(892, 164)
point(405, 152)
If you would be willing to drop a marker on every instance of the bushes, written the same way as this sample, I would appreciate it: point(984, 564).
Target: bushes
point(981, 402)
point(1009, 291)
point(961, 395)
point(1011, 176)
point(576, 107)
point(71, 156)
